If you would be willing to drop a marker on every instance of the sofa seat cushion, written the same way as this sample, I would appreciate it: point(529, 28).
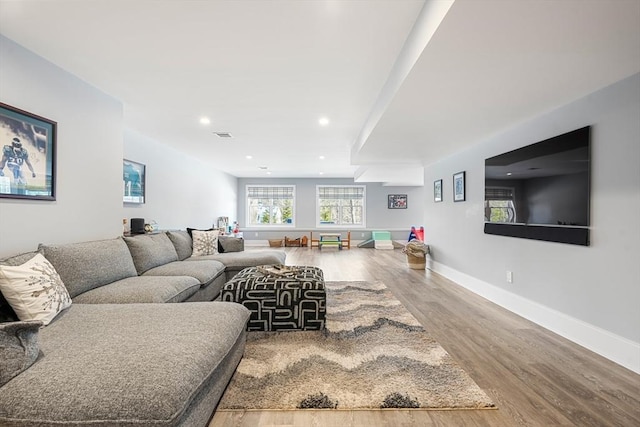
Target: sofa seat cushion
point(240, 260)
point(205, 271)
point(87, 265)
point(142, 289)
point(124, 364)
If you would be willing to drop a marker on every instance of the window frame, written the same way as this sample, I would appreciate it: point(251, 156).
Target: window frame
point(251, 225)
point(341, 226)
point(512, 200)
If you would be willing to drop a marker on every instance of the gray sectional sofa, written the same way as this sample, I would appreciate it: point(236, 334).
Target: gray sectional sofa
point(120, 356)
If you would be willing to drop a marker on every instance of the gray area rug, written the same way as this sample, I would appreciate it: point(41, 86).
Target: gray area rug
point(374, 354)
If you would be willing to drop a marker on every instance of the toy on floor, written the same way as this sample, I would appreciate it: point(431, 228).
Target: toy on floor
point(416, 233)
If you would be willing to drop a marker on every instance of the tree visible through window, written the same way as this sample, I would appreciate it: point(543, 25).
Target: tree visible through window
point(340, 205)
point(269, 205)
point(499, 204)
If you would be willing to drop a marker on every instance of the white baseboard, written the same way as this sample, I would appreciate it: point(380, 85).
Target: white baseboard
point(614, 347)
point(263, 243)
point(253, 243)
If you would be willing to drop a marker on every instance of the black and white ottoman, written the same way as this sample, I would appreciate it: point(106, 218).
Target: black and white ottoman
point(296, 301)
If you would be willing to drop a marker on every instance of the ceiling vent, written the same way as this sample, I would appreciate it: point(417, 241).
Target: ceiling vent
point(223, 134)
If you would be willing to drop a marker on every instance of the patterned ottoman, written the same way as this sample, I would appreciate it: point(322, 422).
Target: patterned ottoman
point(295, 300)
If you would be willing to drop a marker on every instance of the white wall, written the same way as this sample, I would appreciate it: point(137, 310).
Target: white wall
point(181, 191)
point(89, 155)
point(588, 294)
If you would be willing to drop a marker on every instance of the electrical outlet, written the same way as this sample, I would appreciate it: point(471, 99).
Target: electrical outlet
point(256, 235)
point(361, 234)
point(509, 276)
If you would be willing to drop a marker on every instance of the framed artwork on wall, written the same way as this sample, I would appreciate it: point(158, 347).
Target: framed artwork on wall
point(397, 201)
point(28, 162)
point(437, 190)
point(459, 187)
point(133, 181)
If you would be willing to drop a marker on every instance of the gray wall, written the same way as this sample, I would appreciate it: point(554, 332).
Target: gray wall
point(589, 294)
point(181, 191)
point(378, 217)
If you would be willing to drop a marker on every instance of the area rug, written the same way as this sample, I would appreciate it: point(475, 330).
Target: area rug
point(373, 354)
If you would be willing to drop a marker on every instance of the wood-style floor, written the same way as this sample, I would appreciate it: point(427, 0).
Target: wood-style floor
point(535, 377)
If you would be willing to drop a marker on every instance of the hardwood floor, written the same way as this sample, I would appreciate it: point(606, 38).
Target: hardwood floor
point(535, 377)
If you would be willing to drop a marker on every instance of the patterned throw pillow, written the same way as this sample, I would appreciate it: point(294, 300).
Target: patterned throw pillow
point(34, 289)
point(205, 242)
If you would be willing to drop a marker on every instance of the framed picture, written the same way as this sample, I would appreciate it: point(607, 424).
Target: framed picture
point(133, 181)
point(28, 162)
point(397, 201)
point(437, 190)
point(458, 187)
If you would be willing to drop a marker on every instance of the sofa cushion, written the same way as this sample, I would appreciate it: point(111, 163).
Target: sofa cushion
point(151, 250)
point(125, 365)
point(182, 242)
point(240, 260)
point(88, 265)
point(18, 347)
point(34, 289)
point(205, 242)
point(142, 289)
point(205, 271)
point(230, 244)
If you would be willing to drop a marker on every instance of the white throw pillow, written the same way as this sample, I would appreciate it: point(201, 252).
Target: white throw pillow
point(34, 289)
point(205, 242)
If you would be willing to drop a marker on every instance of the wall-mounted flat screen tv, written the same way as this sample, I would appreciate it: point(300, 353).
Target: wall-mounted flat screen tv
point(541, 191)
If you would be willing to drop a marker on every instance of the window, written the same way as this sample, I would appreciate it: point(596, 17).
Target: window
point(270, 205)
point(499, 204)
point(341, 205)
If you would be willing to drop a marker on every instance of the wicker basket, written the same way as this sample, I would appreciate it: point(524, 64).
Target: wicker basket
point(417, 262)
point(292, 242)
point(275, 243)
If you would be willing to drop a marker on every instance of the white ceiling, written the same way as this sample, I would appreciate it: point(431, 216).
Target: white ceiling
point(266, 71)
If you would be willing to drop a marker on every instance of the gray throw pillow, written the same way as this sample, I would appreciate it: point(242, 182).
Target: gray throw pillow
point(18, 347)
point(182, 242)
point(151, 250)
point(231, 244)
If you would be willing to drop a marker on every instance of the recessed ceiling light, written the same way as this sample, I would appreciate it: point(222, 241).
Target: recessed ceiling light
point(249, 157)
point(268, 173)
point(321, 173)
point(205, 120)
point(321, 157)
point(509, 174)
point(323, 121)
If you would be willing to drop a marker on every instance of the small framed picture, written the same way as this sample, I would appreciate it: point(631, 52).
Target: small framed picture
point(458, 187)
point(397, 201)
point(28, 158)
point(133, 180)
point(437, 190)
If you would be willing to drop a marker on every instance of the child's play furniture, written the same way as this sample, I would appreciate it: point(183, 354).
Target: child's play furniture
point(345, 242)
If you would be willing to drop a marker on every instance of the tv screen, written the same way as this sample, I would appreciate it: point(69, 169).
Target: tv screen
point(541, 191)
